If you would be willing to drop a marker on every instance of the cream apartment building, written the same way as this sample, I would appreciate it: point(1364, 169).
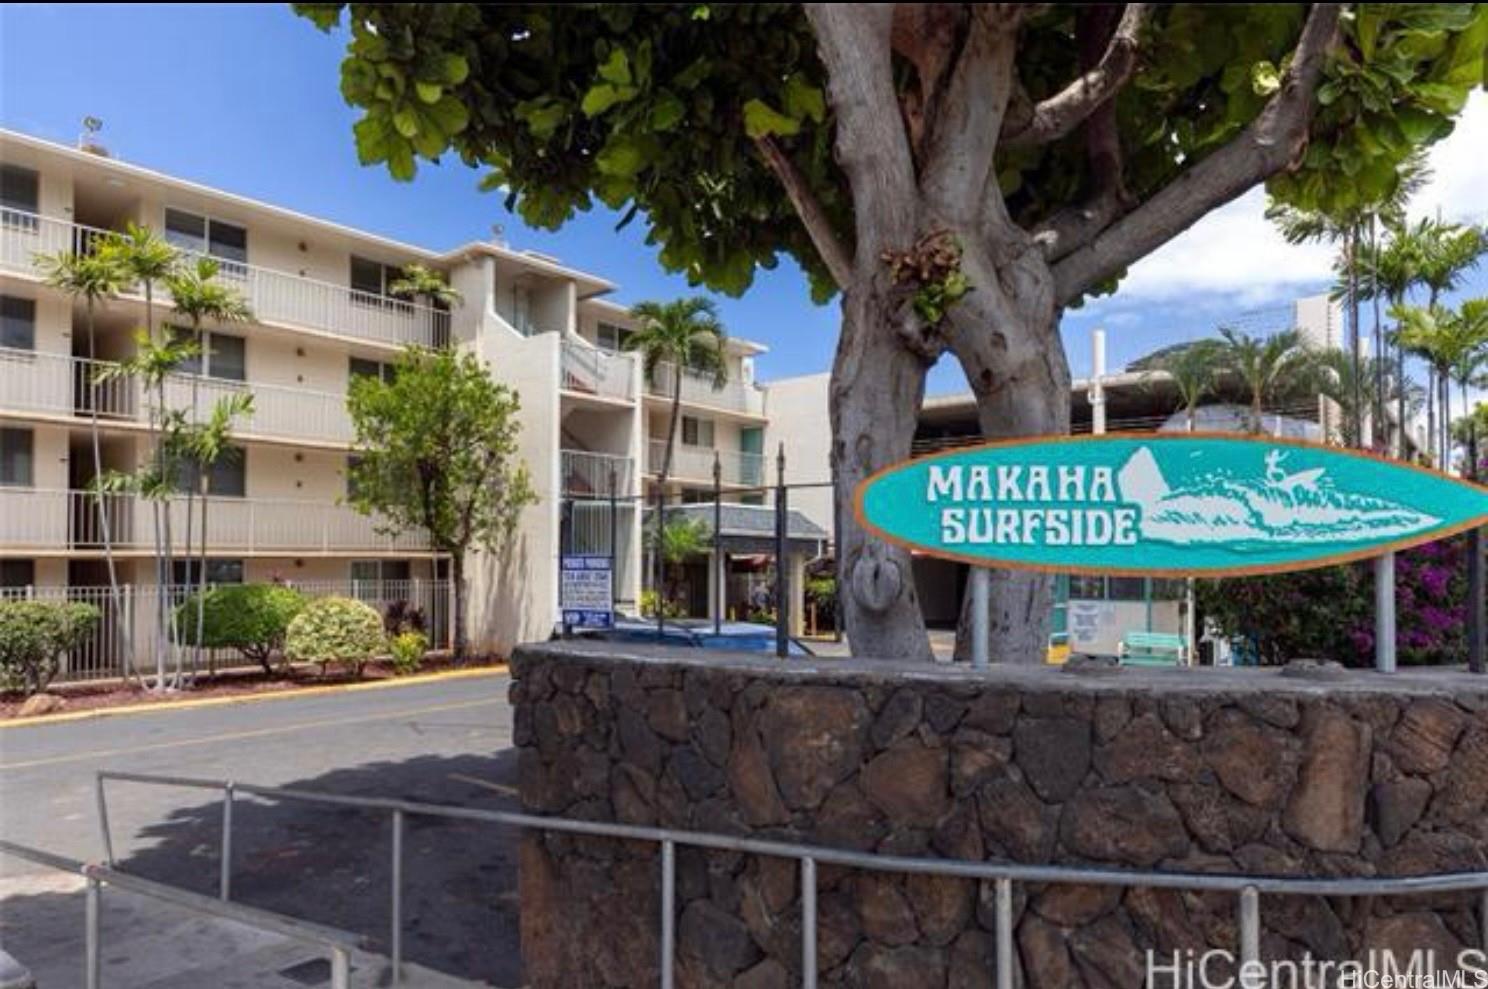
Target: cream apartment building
point(592, 424)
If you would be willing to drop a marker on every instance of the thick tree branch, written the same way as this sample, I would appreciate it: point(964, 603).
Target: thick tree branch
point(818, 225)
point(963, 137)
point(1271, 142)
point(1058, 115)
point(871, 144)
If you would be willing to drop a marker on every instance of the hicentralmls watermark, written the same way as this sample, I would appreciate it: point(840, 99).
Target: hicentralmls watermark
point(1219, 969)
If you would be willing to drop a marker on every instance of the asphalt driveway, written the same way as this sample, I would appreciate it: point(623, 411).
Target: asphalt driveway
point(443, 742)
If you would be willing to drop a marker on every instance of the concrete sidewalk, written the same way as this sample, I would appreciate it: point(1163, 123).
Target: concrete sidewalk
point(151, 945)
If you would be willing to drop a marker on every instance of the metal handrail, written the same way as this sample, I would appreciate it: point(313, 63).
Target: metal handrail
point(1248, 888)
point(337, 942)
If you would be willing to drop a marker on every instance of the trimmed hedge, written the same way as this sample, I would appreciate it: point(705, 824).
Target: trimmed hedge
point(335, 630)
point(251, 618)
point(33, 637)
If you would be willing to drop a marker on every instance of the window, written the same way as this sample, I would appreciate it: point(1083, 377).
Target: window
point(373, 278)
point(611, 337)
point(227, 242)
point(19, 190)
point(17, 322)
point(227, 478)
point(697, 432)
point(1126, 588)
point(17, 573)
point(370, 570)
point(364, 367)
point(222, 355)
point(219, 571)
point(16, 458)
point(1084, 588)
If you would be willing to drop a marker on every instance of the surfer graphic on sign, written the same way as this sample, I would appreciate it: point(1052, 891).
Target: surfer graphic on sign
point(1278, 507)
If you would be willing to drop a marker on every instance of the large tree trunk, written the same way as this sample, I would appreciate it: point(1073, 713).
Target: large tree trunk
point(1006, 336)
point(457, 574)
point(877, 387)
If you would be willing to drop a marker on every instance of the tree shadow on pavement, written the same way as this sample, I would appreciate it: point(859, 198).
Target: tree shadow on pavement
point(332, 865)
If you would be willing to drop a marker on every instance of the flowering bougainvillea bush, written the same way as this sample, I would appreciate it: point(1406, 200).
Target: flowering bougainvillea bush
point(1329, 613)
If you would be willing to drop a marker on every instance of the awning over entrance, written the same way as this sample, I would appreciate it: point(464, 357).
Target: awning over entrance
point(750, 529)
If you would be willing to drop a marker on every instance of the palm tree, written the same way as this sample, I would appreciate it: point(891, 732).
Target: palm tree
point(147, 260)
point(206, 445)
point(422, 282)
point(200, 297)
point(1268, 367)
point(687, 335)
point(93, 278)
point(1192, 369)
point(1354, 230)
point(1376, 386)
point(1452, 345)
point(678, 541)
point(1448, 251)
point(1389, 270)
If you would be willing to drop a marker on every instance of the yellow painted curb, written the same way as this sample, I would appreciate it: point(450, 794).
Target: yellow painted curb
point(274, 695)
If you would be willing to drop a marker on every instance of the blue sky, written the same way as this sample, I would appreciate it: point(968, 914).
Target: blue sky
point(245, 98)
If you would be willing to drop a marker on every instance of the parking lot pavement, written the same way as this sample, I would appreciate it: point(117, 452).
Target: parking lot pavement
point(442, 742)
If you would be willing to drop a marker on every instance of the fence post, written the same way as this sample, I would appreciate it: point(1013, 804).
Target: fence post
point(717, 544)
point(225, 884)
point(1003, 938)
point(397, 899)
point(614, 541)
point(103, 821)
point(1250, 927)
point(808, 923)
point(657, 563)
point(782, 558)
point(668, 912)
point(92, 949)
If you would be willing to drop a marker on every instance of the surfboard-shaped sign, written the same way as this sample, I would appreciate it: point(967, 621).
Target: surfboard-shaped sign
point(1163, 504)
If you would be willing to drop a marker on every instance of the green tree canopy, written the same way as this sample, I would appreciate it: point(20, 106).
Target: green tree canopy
point(437, 451)
point(961, 172)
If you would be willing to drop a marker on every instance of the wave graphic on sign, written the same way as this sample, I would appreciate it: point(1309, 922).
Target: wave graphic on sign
point(1277, 507)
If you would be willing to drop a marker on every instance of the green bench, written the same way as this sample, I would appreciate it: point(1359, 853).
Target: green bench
point(1153, 649)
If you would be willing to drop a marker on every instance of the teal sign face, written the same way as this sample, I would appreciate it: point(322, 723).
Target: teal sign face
point(1163, 504)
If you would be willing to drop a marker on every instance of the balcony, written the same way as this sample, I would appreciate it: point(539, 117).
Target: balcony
point(44, 519)
point(276, 297)
point(58, 385)
point(587, 473)
point(695, 463)
point(590, 371)
point(697, 389)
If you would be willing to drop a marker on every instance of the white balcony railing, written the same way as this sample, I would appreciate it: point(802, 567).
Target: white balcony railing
point(55, 384)
point(36, 519)
point(592, 371)
point(601, 474)
point(275, 296)
point(697, 389)
point(695, 463)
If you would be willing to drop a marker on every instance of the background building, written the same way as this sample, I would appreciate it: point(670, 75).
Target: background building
point(322, 315)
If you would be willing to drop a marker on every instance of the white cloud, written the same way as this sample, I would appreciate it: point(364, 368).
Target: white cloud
point(1235, 253)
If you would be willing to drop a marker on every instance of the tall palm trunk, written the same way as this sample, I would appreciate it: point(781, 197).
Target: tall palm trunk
point(659, 565)
point(105, 529)
point(201, 592)
point(1352, 255)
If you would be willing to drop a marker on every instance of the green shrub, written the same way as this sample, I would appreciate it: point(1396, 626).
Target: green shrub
point(408, 651)
point(335, 630)
point(669, 608)
point(251, 618)
point(33, 637)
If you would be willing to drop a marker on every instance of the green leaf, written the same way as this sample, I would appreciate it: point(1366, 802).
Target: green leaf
point(622, 156)
point(1264, 79)
point(603, 95)
point(449, 115)
point(804, 100)
point(428, 92)
point(371, 139)
point(616, 68)
point(406, 121)
point(760, 120)
point(543, 115)
point(400, 161)
point(666, 112)
point(451, 69)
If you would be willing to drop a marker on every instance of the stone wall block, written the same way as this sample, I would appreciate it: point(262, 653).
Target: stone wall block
point(1326, 809)
point(1054, 754)
point(815, 738)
